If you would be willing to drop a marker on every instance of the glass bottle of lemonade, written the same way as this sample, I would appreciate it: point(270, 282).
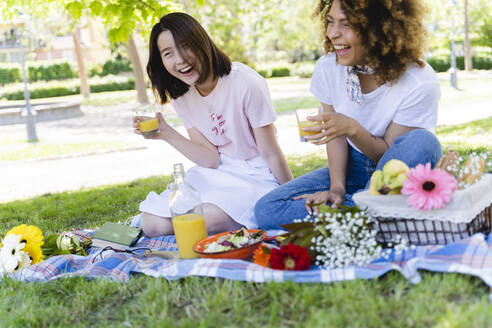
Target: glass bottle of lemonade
point(187, 214)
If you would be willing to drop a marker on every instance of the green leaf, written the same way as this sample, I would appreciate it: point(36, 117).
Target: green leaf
point(328, 209)
point(265, 249)
point(96, 8)
point(306, 240)
point(75, 8)
point(322, 229)
point(49, 248)
point(296, 226)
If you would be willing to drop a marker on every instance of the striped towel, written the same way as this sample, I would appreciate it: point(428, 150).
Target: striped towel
point(470, 256)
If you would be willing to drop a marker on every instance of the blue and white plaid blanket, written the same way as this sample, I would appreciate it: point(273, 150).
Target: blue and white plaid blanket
point(471, 256)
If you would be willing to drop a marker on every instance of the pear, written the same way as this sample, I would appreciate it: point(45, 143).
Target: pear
point(397, 182)
point(376, 182)
point(389, 181)
point(393, 168)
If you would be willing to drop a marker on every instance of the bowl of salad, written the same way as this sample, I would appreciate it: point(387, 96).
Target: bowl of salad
point(238, 244)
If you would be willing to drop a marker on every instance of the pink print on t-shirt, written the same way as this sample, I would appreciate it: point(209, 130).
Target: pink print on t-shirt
point(219, 122)
point(242, 101)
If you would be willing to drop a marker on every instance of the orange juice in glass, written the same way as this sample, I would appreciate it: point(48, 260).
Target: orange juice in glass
point(189, 229)
point(302, 122)
point(149, 127)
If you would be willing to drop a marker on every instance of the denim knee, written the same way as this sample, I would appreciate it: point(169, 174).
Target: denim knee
point(261, 216)
point(418, 146)
point(270, 211)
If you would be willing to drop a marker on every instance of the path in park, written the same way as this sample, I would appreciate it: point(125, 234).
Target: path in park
point(30, 178)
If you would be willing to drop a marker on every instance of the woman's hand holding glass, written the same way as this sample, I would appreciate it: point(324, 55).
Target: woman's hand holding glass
point(333, 125)
point(162, 125)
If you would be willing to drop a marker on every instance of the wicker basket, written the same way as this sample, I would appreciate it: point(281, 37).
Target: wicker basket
point(469, 212)
point(431, 232)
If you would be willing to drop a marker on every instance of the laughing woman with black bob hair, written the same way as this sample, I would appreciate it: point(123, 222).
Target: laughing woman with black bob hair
point(228, 113)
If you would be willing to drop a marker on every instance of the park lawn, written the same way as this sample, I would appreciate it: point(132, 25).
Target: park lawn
point(439, 300)
point(469, 91)
point(46, 150)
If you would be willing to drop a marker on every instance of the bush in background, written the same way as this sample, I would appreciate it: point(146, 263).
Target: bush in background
point(59, 70)
point(274, 71)
point(111, 67)
point(65, 88)
point(263, 72)
point(438, 64)
point(280, 71)
point(9, 73)
point(42, 71)
point(442, 64)
point(304, 69)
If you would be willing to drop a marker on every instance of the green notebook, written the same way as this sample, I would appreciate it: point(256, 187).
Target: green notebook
point(118, 236)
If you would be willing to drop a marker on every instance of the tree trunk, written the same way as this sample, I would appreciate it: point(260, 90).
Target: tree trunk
point(137, 72)
point(468, 54)
point(84, 84)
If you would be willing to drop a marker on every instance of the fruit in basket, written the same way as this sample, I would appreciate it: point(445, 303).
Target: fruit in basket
point(390, 180)
point(376, 182)
point(396, 184)
point(393, 168)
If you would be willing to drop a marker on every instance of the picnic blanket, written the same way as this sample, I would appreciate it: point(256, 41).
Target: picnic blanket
point(471, 256)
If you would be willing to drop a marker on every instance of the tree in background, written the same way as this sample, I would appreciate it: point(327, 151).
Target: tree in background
point(84, 81)
point(482, 18)
point(121, 17)
point(298, 33)
point(476, 11)
point(43, 21)
point(260, 30)
point(486, 33)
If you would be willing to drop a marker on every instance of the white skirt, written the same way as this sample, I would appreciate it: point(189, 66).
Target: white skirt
point(234, 187)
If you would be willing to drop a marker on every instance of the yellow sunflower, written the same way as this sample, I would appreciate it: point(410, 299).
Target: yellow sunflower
point(33, 237)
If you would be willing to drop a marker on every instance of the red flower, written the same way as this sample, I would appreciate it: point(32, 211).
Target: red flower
point(290, 257)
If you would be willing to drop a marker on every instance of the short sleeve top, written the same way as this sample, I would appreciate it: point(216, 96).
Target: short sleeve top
point(410, 101)
point(227, 116)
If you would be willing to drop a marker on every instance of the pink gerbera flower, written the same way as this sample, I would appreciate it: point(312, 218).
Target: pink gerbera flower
point(427, 188)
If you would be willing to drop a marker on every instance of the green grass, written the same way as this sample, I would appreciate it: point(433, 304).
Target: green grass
point(290, 104)
point(42, 149)
point(471, 90)
point(439, 300)
point(100, 99)
point(467, 137)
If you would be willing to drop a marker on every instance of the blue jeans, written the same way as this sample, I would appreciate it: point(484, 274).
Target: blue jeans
point(278, 207)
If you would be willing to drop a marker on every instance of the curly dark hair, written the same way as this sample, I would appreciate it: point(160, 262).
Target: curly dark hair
point(391, 30)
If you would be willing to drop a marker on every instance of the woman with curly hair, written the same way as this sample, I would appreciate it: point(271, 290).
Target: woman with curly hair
point(379, 101)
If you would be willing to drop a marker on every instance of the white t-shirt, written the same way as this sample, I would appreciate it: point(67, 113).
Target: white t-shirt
point(226, 117)
point(411, 101)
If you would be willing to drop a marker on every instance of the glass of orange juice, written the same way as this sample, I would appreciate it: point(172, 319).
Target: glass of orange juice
point(302, 121)
point(189, 229)
point(150, 126)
